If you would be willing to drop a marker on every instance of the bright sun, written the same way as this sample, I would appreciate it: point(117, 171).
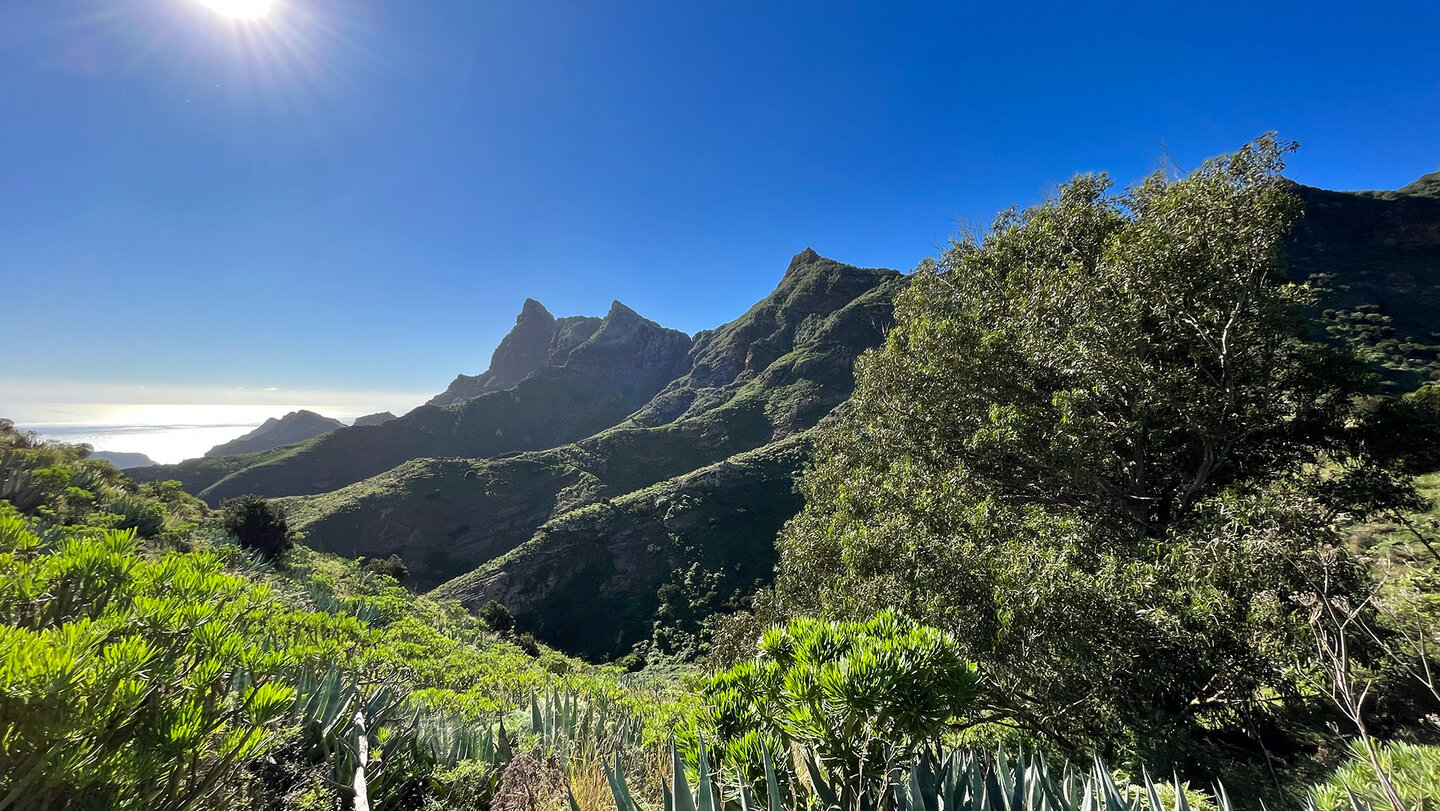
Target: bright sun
point(240, 9)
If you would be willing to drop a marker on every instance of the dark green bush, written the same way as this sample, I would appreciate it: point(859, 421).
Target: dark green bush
point(495, 615)
point(257, 524)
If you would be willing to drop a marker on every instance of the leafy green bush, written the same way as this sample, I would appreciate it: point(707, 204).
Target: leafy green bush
point(1414, 771)
point(129, 682)
point(496, 616)
point(863, 696)
point(469, 786)
point(257, 524)
point(393, 567)
point(1098, 436)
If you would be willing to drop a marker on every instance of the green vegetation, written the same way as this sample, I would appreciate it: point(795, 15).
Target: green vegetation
point(1413, 770)
point(1104, 491)
point(257, 525)
point(863, 697)
point(185, 672)
point(1099, 449)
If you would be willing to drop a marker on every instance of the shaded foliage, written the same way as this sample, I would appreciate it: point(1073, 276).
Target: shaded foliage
point(1101, 450)
point(257, 524)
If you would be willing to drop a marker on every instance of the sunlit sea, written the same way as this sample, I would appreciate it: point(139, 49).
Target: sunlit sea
point(165, 433)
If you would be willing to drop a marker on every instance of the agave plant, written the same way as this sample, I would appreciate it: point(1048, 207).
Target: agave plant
point(366, 611)
point(573, 726)
point(144, 516)
point(959, 780)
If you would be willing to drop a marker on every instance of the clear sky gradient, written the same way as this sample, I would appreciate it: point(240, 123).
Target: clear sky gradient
point(358, 194)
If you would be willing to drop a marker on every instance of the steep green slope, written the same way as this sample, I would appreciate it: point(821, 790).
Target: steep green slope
point(595, 580)
point(765, 377)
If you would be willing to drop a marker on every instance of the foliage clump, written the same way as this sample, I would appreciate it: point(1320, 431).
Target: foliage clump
point(496, 616)
point(257, 524)
point(863, 696)
point(125, 681)
point(393, 567)
point(1413, 770)
point(1100, 448)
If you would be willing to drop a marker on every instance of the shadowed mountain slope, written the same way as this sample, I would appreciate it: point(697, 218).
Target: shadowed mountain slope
point(619, 367)
point(374, 419)
point(1381, 248)
point(297, 426)
point(752, 389)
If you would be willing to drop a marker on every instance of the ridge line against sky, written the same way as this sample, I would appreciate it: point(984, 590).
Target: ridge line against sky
point(357, 196)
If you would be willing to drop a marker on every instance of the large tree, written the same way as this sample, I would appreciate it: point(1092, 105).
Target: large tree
point(1101, 450)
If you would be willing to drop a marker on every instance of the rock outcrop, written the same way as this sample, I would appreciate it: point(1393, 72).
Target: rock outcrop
point(538, 339)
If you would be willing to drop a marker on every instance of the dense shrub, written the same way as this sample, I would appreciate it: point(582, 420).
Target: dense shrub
point(863, 696)
point(392, 567)
point(257, 524)
point(495, 615)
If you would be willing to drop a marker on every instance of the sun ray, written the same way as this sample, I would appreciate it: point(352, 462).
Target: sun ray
point(240, 9)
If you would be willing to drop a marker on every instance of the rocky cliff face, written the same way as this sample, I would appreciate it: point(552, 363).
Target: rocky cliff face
point(297, 426)
point(538, 339)
point(631, 356)
point(1375, 248)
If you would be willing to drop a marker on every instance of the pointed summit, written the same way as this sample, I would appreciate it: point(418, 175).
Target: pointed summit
point(523, 350)
point(533, 309)
point(618, 311)
point(805, 257)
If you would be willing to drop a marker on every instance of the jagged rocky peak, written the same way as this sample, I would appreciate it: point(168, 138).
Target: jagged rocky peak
point(805, 257)
point(594, 347)
point(526, 348)
point(628, 351)
point(523, 350)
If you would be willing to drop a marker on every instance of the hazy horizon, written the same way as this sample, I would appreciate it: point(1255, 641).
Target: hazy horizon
point(170, 432)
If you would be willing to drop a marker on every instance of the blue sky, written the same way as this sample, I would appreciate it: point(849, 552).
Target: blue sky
point(357, 194)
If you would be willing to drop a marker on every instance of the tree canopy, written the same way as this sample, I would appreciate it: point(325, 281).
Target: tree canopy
point(1100, 448)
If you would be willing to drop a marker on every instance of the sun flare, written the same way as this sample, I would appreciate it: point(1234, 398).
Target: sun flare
point(240, 9)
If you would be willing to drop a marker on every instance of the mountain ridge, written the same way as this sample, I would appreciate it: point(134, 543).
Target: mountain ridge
point(296, 426)
point(752, 387)
point(597, 385)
